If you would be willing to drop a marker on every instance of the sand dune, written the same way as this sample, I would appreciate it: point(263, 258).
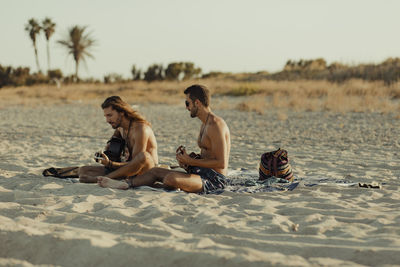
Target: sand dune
point(50, 221)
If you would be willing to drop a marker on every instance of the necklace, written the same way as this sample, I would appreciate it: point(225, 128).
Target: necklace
point(202, 129)
point(129, 128)
point(126, 146)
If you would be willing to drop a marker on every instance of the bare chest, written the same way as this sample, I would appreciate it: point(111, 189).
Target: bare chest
point(203, 140)
point(129, 144)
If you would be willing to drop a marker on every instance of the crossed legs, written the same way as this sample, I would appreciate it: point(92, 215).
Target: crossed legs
point(140, 164)
point(88, 174)
point(187, 182)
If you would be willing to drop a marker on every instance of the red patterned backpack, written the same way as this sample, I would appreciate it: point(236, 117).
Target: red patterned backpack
point(275, 163)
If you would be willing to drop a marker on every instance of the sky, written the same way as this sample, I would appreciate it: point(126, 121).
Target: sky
point(216, 35)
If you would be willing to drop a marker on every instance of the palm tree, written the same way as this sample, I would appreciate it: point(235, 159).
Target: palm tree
point(33, 28)
point(48, 27)
point(78, 43)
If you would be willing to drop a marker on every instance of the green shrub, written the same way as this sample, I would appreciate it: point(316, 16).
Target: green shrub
point(243, 90)
point(113, 78)
point(55, 74)
point(181, 71)
point(213, 74)
point(136, 73)
point(37, 78)
point(154, 72)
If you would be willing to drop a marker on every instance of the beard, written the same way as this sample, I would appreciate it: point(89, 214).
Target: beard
point(117, 123)
point(193, 112)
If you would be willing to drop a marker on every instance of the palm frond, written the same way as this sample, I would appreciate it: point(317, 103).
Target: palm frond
point(78, 43)
point(48, 27)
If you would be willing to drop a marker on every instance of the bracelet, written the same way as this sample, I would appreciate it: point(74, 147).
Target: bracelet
point(109, 165)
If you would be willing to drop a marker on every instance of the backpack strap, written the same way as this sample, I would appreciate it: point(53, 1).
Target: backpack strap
point(270, 166)
point(275, 166)
point(276, 156)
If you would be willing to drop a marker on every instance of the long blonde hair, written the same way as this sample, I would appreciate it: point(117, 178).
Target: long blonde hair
point(121, 106)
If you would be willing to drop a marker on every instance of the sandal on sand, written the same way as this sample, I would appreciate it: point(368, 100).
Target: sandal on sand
point(370, 185)
point(68, 172)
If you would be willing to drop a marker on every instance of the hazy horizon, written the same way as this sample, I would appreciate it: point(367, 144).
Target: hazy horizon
point(228, 36)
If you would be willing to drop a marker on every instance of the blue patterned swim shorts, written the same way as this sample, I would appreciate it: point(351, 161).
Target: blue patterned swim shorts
point(211, 179)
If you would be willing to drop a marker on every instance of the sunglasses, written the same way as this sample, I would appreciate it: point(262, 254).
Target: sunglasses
point(186, 103)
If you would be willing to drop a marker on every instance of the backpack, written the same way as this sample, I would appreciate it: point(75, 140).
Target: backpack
point(275, 163)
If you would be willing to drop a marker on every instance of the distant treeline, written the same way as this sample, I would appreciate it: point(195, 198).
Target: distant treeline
point(156, 72)
point(387, 71)
point(10, 76)
point(19, 76)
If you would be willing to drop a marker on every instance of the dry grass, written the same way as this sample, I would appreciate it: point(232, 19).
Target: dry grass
point(354, 95)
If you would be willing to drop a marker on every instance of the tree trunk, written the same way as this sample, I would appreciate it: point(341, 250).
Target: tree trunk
point(48, 57)
point(76, 70)
point(37, 58)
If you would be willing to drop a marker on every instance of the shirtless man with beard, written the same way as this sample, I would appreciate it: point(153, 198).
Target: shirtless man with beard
point(140, 152)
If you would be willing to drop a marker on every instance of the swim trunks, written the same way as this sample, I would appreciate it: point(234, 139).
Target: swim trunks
point(211, 179)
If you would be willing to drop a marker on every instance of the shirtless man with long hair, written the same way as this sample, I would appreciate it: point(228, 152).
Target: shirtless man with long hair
point(204, 174)
point(140, 153)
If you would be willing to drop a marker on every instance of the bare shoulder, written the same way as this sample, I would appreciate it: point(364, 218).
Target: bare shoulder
point(141, 128)
point(217, 123)
point(138, 126)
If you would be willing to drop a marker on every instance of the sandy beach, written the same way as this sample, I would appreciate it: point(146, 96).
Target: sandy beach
point(46, 221)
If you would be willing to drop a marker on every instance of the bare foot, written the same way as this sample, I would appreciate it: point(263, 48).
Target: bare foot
point(110, 183)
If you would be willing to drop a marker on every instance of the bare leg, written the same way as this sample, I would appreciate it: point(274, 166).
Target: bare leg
point(150, 177)
point(187, 182)
point(140, 164)
point(88, 174)
point(190, 183)
point(110, 183)
point(173, 179)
